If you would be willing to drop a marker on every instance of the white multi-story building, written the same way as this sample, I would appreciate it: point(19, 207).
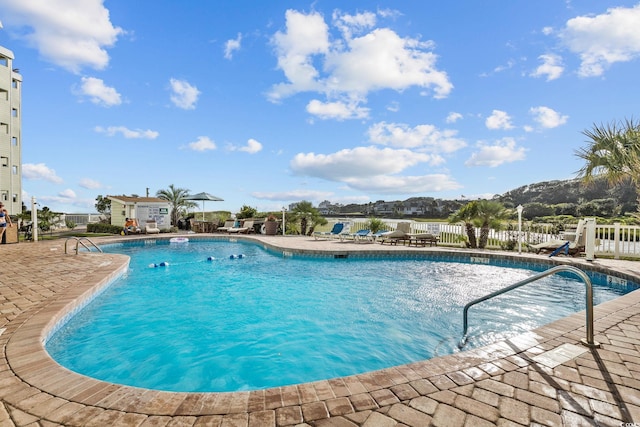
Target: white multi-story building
point(10, 134)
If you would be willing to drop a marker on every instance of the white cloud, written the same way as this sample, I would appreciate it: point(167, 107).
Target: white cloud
point(502, 151)
point(604, 39)
point(128, 133)
point(352, 66)
point(336, 110)
point(203, 143)
point(547, 118)
point(384, 60)
point(69, 33)
point(421, 137)
point(252, 147)
point(183, 94)
point(40, 171)
point(373, 169)
point(386, 184)
point(294, 195)
point(356, 162)
point(89, 184)
point(499, 120)
point(67, 194)
point(231, 46)
point(99, 93)
point(509, 65)
point(350, 24)
point(305, 36)
point(393, 106)
point(551, 67)
point(68, 197)
point(453, 117)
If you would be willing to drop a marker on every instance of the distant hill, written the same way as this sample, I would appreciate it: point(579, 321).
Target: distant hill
point(620, 198)
point(568, 197)
point(570, 191)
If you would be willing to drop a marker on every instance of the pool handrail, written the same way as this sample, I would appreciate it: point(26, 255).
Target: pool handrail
point(588, 341)
point(79, 241)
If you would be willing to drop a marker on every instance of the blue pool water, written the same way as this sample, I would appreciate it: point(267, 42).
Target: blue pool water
point(264, 320)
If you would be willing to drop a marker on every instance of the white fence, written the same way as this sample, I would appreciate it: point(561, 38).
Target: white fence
point(615, 240)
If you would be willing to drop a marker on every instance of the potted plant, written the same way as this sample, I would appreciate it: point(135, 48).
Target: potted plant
point(271, 226)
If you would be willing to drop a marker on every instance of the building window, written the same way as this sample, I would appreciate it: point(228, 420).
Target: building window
point(14, 112)
point(14, 84)
point(5, 196)
point(15, 169)
point(15, 198)
point(14, 141)
point(4, 61)
point(4, 128)
point(4, 161)
point(4, 95)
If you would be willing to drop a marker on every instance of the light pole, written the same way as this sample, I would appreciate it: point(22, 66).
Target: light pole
point(519, 209)
point(34, 219)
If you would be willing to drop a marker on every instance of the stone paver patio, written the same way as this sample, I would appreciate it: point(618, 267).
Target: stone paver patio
point(541, 378)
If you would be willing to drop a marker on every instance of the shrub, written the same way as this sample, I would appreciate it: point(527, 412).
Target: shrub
point(375, 224)
point(97, 227)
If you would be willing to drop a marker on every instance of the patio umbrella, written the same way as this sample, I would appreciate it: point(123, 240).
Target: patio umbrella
point(204, 197)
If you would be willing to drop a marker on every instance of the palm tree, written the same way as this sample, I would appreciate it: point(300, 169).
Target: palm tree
point(613, 153)
point(489, 215)
point(176, 196)
point(467, 214)
point(305, 212)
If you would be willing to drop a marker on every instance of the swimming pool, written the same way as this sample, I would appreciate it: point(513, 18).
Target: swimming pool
point(264, 320)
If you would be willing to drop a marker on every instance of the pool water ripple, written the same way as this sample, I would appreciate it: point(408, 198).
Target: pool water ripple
point(265, 320)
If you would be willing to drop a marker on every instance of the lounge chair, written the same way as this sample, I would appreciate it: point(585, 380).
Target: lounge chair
point(377, 235)
point(336, 230)
point(357, 237)
point(346, 230)
point(573, 245)
point(401, 233)
point(227, 225)
point(151, 227)
point(422, 239)
point(245, 228)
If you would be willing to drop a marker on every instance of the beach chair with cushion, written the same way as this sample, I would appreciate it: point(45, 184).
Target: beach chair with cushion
point(357, 237)
point(402, 233)
point(346, 230)
point(245, 228)
point(337, 229)
point(573, 245)
point(151, 227)
point(374, 237)
point(227, 225)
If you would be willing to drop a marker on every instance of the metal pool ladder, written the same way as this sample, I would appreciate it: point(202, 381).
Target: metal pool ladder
point(80, 241)
point(588, 341)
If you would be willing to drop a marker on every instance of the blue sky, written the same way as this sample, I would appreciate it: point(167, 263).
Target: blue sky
point(265, 103)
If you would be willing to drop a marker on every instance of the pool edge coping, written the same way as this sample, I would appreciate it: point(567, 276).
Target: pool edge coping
point(31, 363)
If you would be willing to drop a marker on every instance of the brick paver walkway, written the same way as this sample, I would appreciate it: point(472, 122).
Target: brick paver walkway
point(541, 378)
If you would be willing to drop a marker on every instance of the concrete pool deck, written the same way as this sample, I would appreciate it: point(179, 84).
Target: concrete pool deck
point(544, 377)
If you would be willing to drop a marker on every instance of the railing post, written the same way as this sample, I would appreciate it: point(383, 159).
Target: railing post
point(590, 238)
point(616, 240)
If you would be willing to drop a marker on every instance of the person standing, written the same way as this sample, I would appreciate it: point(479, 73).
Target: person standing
point(4, 220)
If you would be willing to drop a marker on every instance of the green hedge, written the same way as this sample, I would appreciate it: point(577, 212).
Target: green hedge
point(103, 228)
